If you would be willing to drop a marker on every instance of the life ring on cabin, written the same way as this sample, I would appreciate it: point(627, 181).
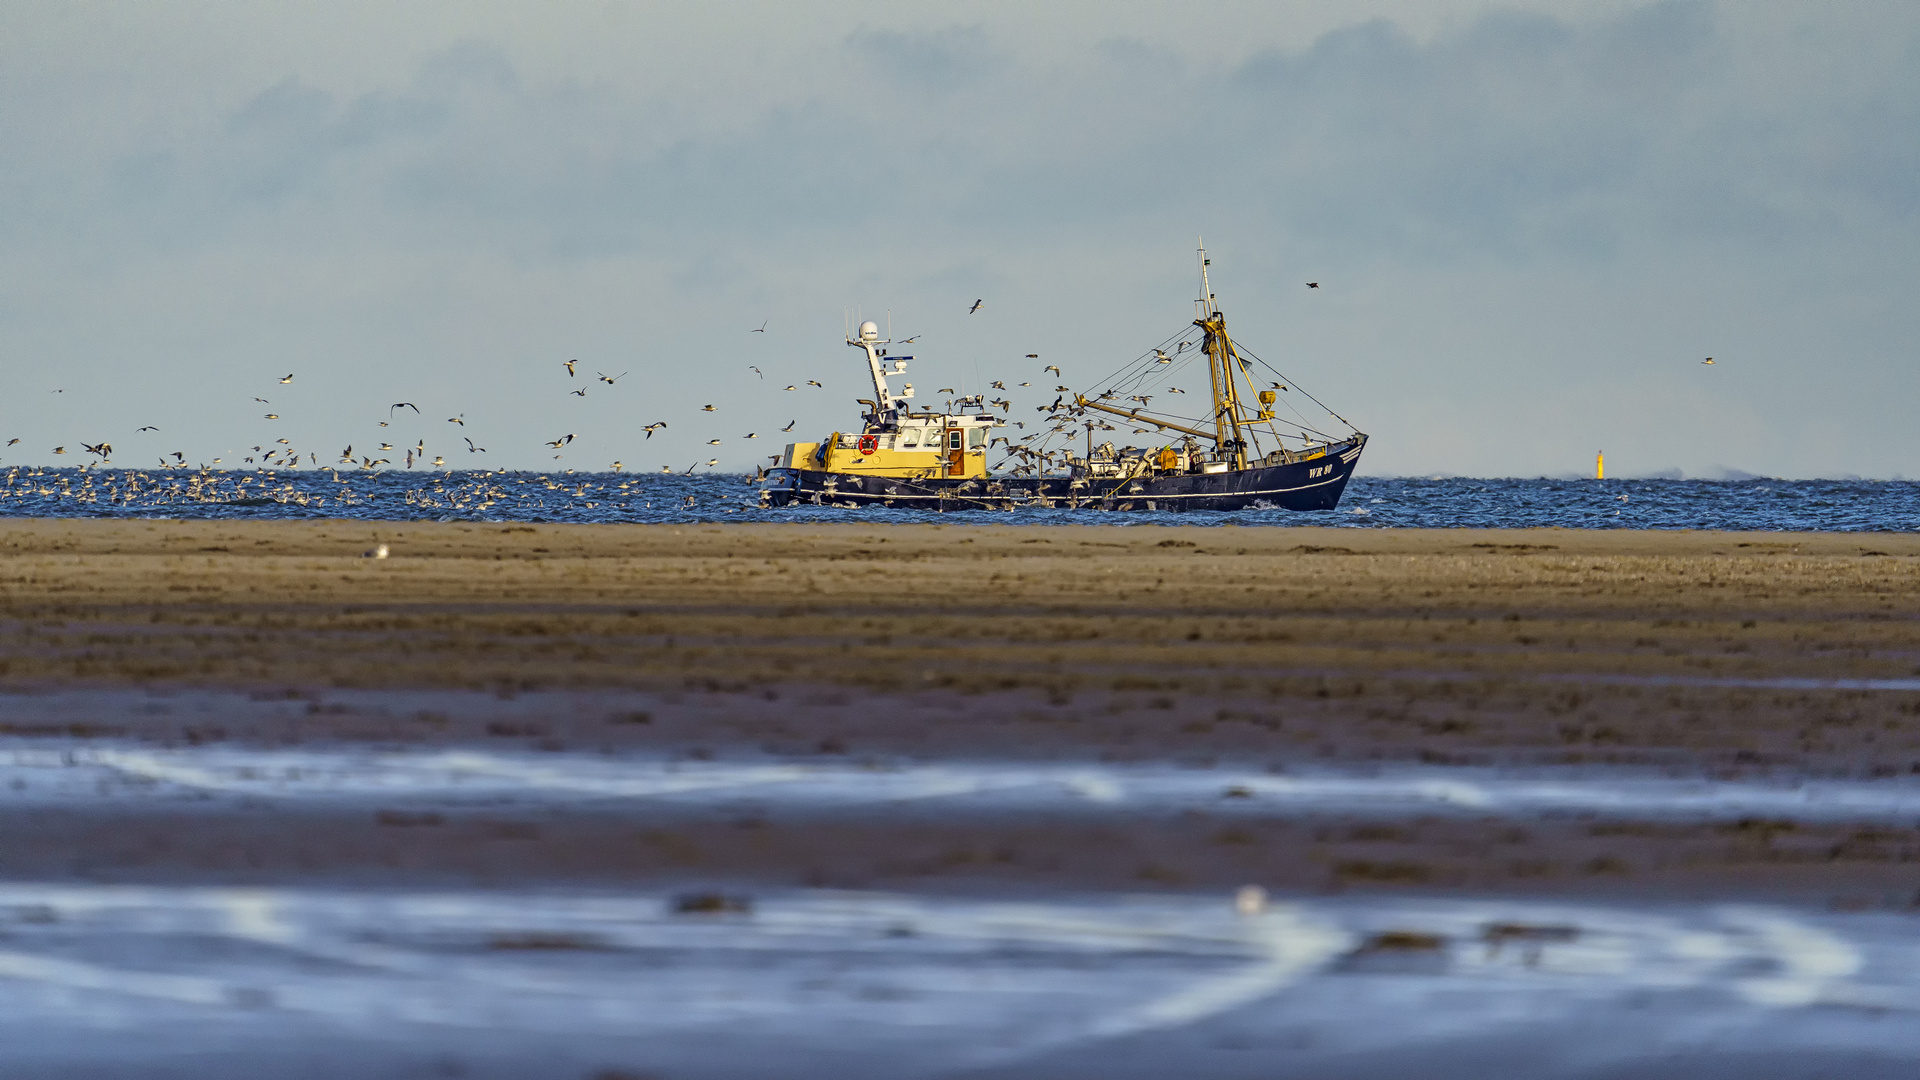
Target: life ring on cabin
point(869, 443)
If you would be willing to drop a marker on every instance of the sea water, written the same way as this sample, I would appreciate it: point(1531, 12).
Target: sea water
point(1370, 502)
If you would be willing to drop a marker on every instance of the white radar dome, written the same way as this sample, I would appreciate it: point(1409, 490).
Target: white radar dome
point(869, 331)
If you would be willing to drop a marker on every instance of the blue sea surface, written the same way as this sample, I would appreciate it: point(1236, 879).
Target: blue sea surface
point(1370, 502)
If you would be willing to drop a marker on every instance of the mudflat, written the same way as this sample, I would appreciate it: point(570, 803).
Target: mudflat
point(1728, 657)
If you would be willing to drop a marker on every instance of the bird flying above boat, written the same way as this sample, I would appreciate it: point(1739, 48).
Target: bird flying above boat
point(751, 435)
point(653, 427)
point(762, 330)
point(1313, 284)
point(1026, 384)
point(273, 416)
point(713, 461)
point(793, 388)
point(1175, 390)
point(59, 449)
point(910, 340)
point(789, 427)
point(975, 307)
point(582, 392)
point(403, 405)
point(998, 385)
point(570, 364)
point(147, 429)
point(1033, 356)
point(1053, 368)
point(288, 379)
point(816, 382)
point(756, 371)
point(1708, 360)
point(713, 442)
point(472, 449)
point(706, 408)
point(263, 401)
point(609, 382)
point(461, 420)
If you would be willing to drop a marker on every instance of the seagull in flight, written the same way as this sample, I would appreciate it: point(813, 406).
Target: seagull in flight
point(706, 408)
point(713, 442)
point(582, 392)
point(793, 388)
point(751, 435)
point(910, 340)
point(756, 371)
point(403, 405)
point(653, 427)
point(1708, 360)
point(998, 385)
point(812, 382)
point(288, 379)
point(472, 449)
point(461, 420)
point(789, 427)
point(1055, 369)
point(1313, 284)
point(149, 428)
point(570, 364)
point(261, 400)
point(975, 307)
point(609, 382)
point(273, 416)
point(762, 330)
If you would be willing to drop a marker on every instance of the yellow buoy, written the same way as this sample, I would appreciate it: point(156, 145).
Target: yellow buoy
point(1600, 465)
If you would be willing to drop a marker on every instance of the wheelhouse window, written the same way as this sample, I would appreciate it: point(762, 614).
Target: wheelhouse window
point(976, 438)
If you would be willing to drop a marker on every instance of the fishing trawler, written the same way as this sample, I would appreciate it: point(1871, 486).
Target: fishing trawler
point(1240, 452)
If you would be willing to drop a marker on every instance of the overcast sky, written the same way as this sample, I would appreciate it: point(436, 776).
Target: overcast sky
point(1530, 222)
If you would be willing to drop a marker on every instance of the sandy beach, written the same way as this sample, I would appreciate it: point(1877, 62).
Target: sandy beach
point(609, 802)
point(1775, 658)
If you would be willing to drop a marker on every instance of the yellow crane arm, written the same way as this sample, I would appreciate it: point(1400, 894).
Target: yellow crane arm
point(1135, 415)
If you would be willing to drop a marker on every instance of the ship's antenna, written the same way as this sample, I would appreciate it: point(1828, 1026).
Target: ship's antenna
point(889, 324)
point(1206, 289)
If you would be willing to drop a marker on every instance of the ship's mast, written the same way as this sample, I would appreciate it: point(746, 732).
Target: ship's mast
point(1220, 360)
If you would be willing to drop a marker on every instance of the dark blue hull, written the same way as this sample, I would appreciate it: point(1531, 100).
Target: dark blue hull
point(1314, 484)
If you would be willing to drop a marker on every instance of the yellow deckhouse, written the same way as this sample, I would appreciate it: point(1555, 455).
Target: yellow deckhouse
point(894, 441)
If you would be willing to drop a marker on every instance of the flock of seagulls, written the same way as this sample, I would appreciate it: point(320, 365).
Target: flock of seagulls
point(280, 453)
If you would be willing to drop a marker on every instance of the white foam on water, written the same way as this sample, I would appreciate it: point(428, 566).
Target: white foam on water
point(952, 981)
point(34, 773)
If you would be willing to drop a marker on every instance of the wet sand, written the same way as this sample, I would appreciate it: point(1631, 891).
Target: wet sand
point(1554, 725)
point(1717, 655)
